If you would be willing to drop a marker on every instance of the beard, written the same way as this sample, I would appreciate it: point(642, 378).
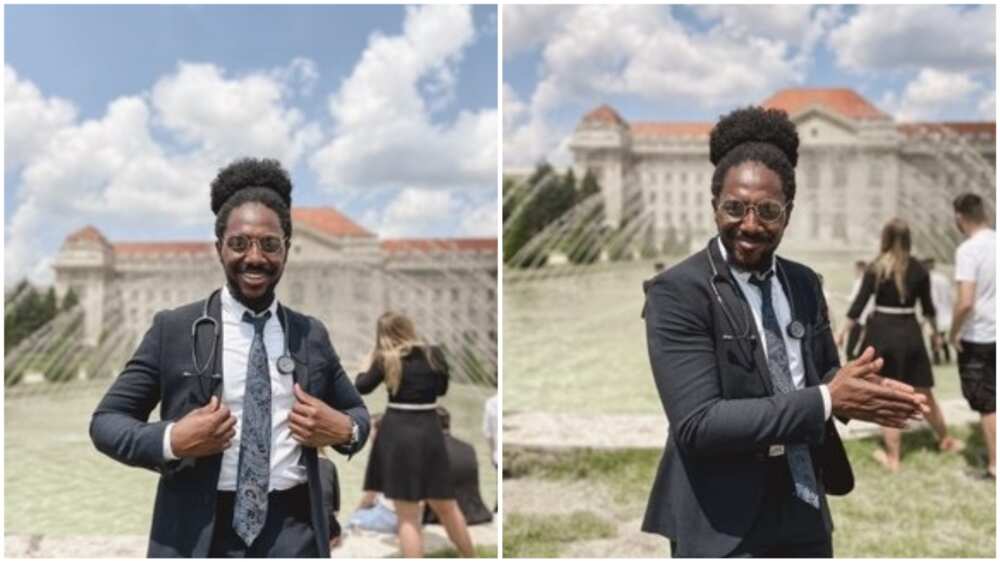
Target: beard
point(747, 252)
point(256, 300)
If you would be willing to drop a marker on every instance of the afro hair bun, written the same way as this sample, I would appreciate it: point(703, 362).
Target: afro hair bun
point(247, 173)
point(754, 125)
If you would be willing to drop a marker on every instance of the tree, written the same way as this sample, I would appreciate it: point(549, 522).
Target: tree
point(547, 197)
point(589, 185)
point(70, 300)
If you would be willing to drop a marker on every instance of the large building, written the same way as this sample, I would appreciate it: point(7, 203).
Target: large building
point(336, 271)
point(857, 168)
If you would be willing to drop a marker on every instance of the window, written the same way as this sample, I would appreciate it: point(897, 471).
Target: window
point(684, 198)
point(684, 178)
point(652, 196)
point(668, 196)
point(875, 174)
point(840, 226)
point(668, 177)
point(840, 173)
point(454, 294)
point(812, 175)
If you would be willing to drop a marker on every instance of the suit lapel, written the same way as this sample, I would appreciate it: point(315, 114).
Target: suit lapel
point(739, 309)
point(795, 291)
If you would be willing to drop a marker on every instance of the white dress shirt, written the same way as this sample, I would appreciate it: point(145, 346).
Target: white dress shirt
point(783, 311)
point(237, 336)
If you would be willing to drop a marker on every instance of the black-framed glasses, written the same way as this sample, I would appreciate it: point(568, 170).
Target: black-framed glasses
point(267, 244)
point(768, 210)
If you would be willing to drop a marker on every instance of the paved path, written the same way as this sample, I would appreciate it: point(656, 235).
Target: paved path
point(357, 544)
point(602, 431)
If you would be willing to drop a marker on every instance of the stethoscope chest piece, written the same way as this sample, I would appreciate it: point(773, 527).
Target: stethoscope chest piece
point(286, 365)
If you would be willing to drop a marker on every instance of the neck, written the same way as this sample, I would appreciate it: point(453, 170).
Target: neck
point(973, 229)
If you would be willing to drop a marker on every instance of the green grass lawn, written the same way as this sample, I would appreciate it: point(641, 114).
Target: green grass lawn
point(56, 483)
point(932, 508)
point(572, 338)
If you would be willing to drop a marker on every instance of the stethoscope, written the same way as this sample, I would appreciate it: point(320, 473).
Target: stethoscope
point(285, 364)
point(795, 329)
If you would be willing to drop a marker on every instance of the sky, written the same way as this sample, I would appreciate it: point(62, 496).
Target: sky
point(695, 63)
point(120, 116)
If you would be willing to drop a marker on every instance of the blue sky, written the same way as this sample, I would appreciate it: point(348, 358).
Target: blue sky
point(119, 116)
point(693, 63)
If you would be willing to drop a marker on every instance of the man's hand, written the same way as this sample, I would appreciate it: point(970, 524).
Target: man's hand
point(315, 424)
point(858, 392)
point(204, 431)
point(956, 341)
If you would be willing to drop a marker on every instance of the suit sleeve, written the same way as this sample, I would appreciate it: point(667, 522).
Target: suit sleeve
point(120, 425)
point(341, 395)
point(681, 341)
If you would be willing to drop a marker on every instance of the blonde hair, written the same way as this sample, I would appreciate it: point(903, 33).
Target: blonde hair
point(894, 255)
point(395, 338)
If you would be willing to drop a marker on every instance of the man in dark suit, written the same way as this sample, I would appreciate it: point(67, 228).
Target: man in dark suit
point(745, 365)
point(248, 390)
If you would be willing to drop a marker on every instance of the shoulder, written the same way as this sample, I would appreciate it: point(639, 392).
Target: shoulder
point(800, 271)
point(691, 271)
point(310, 324)
point(182, 314)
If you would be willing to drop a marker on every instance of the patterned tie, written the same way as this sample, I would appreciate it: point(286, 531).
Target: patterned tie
point(799, 461)
point(253, 473)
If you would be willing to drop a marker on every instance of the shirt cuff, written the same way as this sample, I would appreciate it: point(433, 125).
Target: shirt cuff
point(827, 401)
point(168, 453)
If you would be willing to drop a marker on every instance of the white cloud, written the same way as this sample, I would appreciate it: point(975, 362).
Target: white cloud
point(480, 221)
point(931, 94)
point(236, 117)
point(987, 106)
point(113, 171)
point(413, 212)
point(30, 119)
point(906, 37)
point(642, 51)
point(526, 27)
point(384, 134)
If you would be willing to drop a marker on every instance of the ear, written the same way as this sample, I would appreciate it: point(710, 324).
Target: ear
point(788, 211)
point(715, 202)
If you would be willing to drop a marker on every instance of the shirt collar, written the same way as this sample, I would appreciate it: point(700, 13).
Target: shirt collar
point(235, 308)
point(739, 273)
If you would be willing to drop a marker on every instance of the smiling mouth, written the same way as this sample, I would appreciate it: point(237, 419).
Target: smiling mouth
point(749, 244)
point(254, 278)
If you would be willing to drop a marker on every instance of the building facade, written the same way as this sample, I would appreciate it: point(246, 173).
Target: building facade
point(857, 168)
point(336, 271)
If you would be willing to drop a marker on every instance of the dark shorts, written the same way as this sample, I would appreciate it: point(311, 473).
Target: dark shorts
point(978, 371)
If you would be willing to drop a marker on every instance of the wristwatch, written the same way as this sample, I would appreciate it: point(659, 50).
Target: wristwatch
point(355, 433)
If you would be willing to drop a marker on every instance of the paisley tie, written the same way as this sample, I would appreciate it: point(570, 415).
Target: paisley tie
point(799, 460)
point(253, 472)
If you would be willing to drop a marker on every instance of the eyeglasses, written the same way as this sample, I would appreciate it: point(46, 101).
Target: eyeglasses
point(768, 210)
point(267, 244)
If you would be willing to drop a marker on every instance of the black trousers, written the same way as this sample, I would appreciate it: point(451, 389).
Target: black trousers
point(785, 525)
point(287, 532)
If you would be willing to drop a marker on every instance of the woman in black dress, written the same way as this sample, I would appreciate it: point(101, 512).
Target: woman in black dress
point(898, 281)
point(409, 460)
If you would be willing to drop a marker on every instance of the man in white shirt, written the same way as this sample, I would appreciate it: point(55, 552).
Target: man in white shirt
point(973, 328)
point(942, 294)
point(248, 391)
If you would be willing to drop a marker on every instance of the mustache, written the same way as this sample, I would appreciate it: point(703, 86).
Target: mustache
point(257, 269)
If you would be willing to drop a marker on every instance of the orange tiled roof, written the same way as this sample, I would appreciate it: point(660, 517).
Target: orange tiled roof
point(844, 101)
point(401, 245)
point(328, 221)
point(670, 129)
point(87, 234)
point(605, 114)
point(960, 127)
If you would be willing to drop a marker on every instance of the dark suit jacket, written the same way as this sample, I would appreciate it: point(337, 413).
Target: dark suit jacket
point(184, 513)
point(721, 407)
